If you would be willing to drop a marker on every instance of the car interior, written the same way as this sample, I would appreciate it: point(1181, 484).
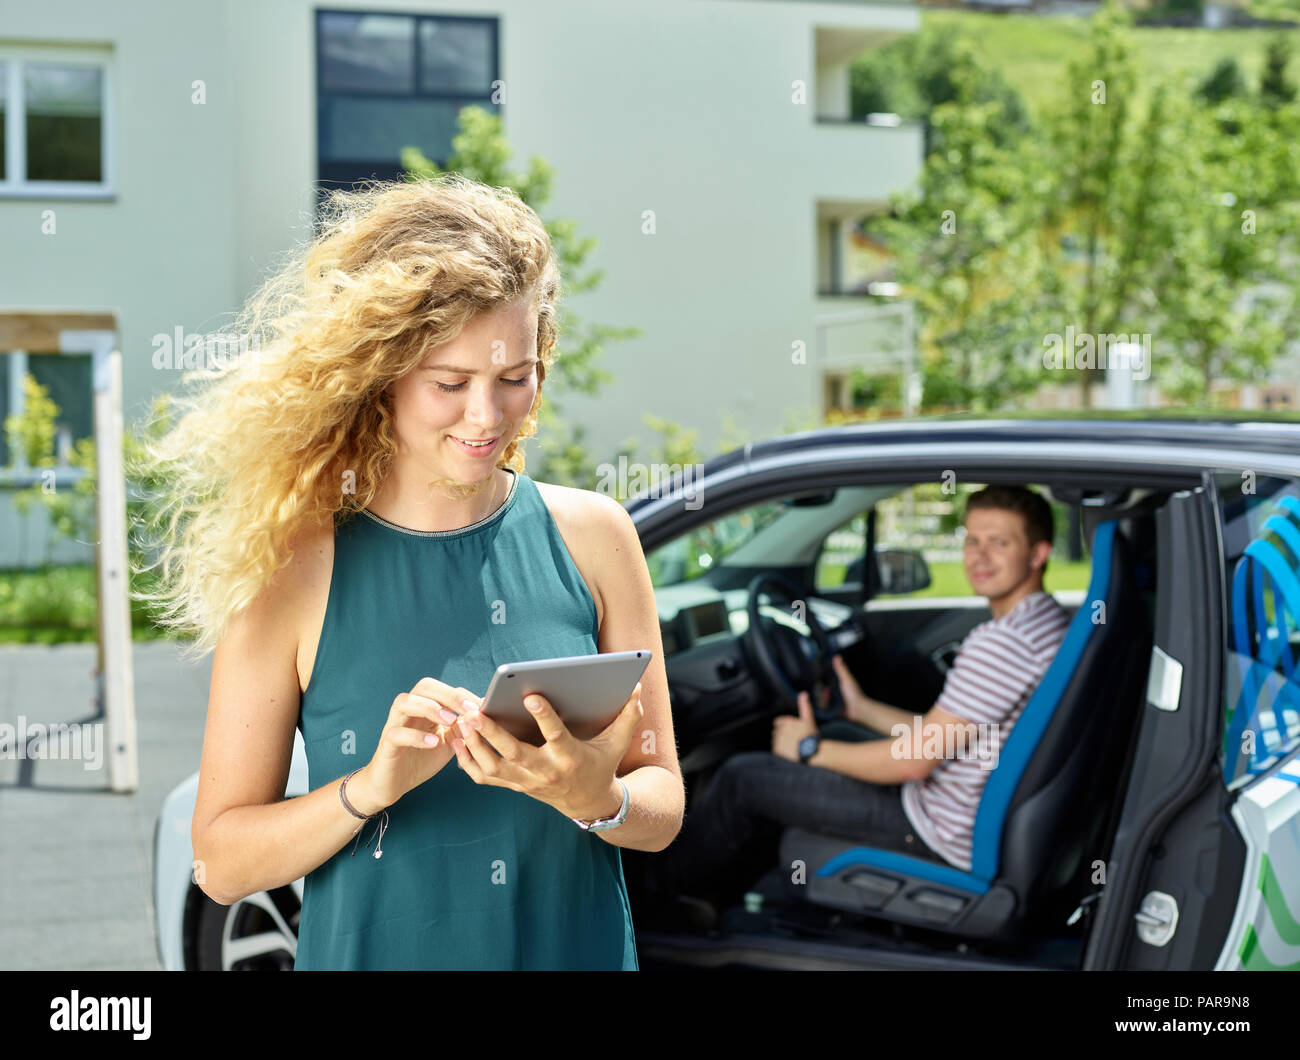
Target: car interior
point(753, 603)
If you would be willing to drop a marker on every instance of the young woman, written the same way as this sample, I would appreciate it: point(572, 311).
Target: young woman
point(349, 526)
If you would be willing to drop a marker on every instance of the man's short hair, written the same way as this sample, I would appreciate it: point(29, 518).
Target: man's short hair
point(1035, 511)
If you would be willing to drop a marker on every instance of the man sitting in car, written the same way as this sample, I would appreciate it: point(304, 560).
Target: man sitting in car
point(915, 792)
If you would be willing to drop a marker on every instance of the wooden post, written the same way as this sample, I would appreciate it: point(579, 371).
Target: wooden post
point(117, 677)
point(96, 334)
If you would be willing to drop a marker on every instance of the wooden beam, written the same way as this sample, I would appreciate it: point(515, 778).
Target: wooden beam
point(38, 330)
point(113, 574)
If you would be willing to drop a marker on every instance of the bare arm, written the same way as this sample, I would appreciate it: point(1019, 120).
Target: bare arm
point(656, 795)
point(247, 837)
point(871, 760)
point(915, 745)
point(877, 716)
point(861, 708)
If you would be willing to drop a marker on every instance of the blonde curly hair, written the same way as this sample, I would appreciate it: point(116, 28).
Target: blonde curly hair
point(303, 430)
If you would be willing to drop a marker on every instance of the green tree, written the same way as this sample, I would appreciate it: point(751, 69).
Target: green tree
point(31, 432)
point(918, 72)
point(481, 152)
point(31, 435)
point(966, 253)
point(1162, 217)
point(1229, 290)
point(1275, 87)
point(72, 511)
point(1115, 197)
point(1146, 233)
point(1224, 81)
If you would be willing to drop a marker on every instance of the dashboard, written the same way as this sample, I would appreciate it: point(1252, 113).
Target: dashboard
point(693, 623)
point(695, 613)
point(716, 695)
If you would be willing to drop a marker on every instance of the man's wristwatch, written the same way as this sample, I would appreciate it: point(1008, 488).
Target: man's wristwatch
point(808, 747)
point(606, 822)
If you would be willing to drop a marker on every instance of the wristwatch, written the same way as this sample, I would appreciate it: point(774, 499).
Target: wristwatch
point(808, 747)
point(606, 822)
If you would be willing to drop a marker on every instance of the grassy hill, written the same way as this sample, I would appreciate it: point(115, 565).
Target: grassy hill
point(1032, 51)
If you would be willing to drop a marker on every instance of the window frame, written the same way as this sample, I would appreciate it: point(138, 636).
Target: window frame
point(15, 366)
point(417, 94)
point(15, 59)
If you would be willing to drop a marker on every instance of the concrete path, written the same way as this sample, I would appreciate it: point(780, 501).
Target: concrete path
point(76, 859)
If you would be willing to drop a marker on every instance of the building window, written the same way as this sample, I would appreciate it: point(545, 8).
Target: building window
point(66, 378)
point(388, 81)
point(54, 122)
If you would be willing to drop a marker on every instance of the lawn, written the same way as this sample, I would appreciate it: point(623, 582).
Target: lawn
point(1032, 51)
point(949, 579)
point(57, 604)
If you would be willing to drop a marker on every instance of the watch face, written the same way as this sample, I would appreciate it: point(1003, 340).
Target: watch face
point(808, 746)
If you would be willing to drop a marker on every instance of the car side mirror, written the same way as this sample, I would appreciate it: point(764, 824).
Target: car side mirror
point(902, 571)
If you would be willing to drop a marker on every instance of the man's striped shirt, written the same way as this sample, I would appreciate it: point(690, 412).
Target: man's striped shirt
point(997, 669)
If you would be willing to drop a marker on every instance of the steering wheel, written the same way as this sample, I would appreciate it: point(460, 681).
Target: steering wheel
point(789, 661)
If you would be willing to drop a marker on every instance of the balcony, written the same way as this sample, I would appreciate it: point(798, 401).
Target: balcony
point(857, 165)
point(858, 161)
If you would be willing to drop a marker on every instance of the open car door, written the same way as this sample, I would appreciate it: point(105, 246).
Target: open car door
point(1260, 753)
point(1174, 844)
point(1208, 841)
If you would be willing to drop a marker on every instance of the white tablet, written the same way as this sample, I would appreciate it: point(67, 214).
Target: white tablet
point(587, 692)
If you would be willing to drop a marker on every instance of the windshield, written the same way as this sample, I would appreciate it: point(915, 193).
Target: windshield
point(701, 549)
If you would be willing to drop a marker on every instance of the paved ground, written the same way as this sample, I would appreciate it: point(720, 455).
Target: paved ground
point(76, 859)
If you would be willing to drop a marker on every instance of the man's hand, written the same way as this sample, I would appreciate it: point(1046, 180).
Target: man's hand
point(787, 730)
point(855, 700)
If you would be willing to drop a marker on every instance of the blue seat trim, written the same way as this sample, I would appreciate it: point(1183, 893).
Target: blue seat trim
point(1258, 650)
point(986, 838)
point(906, 865)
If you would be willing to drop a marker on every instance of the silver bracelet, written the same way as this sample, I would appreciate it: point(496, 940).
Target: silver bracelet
point(383, 822)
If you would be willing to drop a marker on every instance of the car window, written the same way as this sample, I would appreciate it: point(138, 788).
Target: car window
point(839, 563)
point(925, 520)
point(700, 550)
point(1260, 521)
point(920, 520)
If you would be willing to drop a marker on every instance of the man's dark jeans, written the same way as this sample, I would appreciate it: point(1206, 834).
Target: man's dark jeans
point(731, 833)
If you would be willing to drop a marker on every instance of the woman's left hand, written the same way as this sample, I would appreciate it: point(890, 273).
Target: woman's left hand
point(575, 777)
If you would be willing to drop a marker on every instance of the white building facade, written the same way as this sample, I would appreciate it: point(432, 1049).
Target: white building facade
point(160, 157)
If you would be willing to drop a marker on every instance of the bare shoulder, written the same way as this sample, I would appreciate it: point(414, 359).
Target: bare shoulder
point(581, 502)
point(306, 588)
point(594, 517)
point(278, 598)
point(312, 547)
point(311, 540)
point(588, 522)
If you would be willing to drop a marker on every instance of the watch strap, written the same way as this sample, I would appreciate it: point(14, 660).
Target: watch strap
point(606, 822)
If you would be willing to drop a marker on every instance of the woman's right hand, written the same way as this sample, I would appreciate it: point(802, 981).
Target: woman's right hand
point(404, 758)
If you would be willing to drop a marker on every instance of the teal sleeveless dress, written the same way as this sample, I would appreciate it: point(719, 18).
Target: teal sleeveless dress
point(472, 877)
